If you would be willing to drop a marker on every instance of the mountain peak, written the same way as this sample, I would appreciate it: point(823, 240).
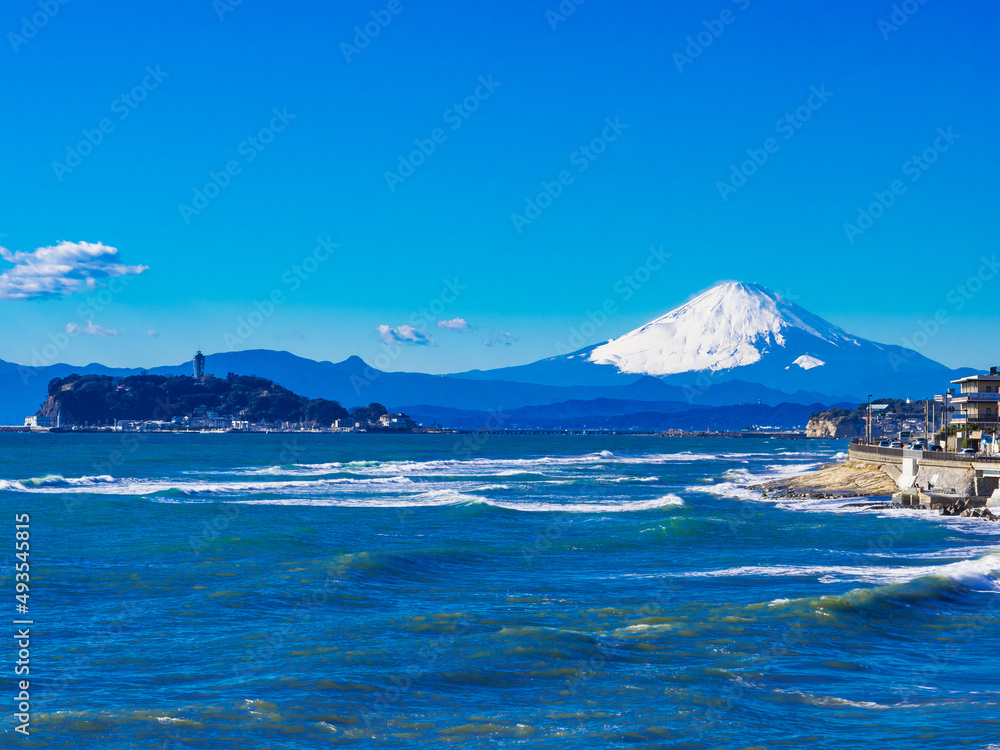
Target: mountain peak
point(749, 287)
point(733, 288)
point(731, 325)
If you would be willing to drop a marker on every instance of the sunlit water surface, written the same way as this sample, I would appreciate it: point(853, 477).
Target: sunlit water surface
point(280, 591)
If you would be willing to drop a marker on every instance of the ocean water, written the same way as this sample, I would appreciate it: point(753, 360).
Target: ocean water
point(303, 591)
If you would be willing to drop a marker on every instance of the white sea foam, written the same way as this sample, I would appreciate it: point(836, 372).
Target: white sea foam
point(473, 466)
point(733, 490)
point(416, 483)
point(132, 486)
point(55, 482)
point(978, 573)
point(442, 497)
point(779, 455)
point(643, 628)
point(736, 482)
point(961, 553)
point(830, 700)
point(418, 500)
point(624, 506)
point(790, 469)
point(296, 470)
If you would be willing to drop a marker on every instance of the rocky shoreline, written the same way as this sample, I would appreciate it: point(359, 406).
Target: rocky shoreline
point(849, 479)
point(853, 479)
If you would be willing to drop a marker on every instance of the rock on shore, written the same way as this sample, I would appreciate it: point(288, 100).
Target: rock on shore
point(849, 479)
point(859, 479)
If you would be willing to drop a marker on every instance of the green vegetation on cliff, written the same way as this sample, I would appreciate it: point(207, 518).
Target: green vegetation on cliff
point(886, 422)
point(101, 399)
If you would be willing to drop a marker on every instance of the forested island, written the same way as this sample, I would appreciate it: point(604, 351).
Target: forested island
point(184, 401)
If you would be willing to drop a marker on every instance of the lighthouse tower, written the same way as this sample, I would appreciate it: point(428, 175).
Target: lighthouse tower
point(199, 364)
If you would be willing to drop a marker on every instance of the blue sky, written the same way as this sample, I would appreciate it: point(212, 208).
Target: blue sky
point(305, 140)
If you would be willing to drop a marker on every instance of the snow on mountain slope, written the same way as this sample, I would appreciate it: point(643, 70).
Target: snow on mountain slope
point(807, 362)
point(733, 324)
point(742, 337)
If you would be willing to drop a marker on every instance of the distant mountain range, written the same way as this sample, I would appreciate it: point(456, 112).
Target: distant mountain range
point(735, 344)
point(354, 383)
point(611, 414)
point(737, 332)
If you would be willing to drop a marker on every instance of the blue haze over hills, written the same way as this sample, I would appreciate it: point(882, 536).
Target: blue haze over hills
point(750, 346)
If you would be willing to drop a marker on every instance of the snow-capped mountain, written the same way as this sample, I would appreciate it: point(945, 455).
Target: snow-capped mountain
point(731, 325)
point(734, 344)
point(740, 332)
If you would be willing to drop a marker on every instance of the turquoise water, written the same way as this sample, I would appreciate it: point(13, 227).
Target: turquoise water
point(303, 591)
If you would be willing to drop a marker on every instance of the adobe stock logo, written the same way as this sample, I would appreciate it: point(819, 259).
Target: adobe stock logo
point(47, 10)
point(957, 298)
point(565, 9)
point(222, 7)
point(264, 309)
point(786, 127)
point(624, 289)
point(582, 158)
point(914, 168)
point(455, 116)
point(249, 149)
point(122, 106)
point(363, 35)
point(698, 43)
point(901, 13)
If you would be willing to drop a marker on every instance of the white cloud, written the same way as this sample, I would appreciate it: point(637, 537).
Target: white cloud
point(461, 325)
point(154, 334)
point(60, 270)
point(91, 329)
point(404, 335)
point(501, 339)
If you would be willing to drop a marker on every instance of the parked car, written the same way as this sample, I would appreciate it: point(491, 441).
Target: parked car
point(936, 449)
point(884, 443)
point(967, 452)
point(895, 444)
point(917, 447)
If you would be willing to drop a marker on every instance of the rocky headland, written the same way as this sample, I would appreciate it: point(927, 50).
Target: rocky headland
point(849, 479)
point(857, 479)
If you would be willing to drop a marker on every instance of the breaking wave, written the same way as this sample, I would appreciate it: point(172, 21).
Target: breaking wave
point(979, 572)
point(55, 481)
point(490, 466)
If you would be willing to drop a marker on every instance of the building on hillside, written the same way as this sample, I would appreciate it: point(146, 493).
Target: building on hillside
point(396, 421)
point(978, 401)
point(210, 423)
point(346, 423)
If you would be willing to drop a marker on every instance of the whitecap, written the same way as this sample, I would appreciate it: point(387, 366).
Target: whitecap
point(972, 573)
point(603, 507)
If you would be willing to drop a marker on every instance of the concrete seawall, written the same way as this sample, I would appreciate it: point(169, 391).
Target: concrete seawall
point(936, 476)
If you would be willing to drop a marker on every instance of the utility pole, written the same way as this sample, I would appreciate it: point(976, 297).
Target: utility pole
point(868, 427)
point(926, 411)
point(945, 419)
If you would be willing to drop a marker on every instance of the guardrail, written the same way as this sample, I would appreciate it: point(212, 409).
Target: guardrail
point(858, 450)
point(874, 450)
point(959, 458)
